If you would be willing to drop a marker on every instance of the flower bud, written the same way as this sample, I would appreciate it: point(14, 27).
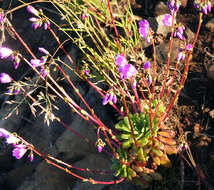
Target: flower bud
point(5, 78)
point(43, 50)
point(5, 52)
point(147, 65)
point(32, 10)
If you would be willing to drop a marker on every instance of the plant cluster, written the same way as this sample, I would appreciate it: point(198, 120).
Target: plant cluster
point(111, 40)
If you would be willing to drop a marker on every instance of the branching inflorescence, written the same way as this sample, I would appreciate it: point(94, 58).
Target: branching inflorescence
point(141, 139)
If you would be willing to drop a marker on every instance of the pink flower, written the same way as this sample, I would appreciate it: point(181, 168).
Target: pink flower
point(43, 71)
point(179, 32)
point(181, 55)
point(47, 24)
point(11, 139)
point(1, 17)
point(16, 60)
point(87, 72)
point(147, 65)
point(84, 16)
point(43, 50)
point(121, 60)
point(36, 62)
point(19, 151)
point(5, 78)
point(144, 30)
point(144, 23)
point(32, 10)
point(33, 19)
point(188, 47)
point(134, 85)
point(149, 80)
point(5, 52)
point(100, 148)
point(128, 71)
point(4, 133)
point(100, 145)
point(31, 156)
point(109, 97)
point(209, 6)
point(167, 21)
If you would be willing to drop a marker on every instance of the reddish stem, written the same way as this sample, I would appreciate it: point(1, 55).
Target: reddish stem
point(185, 70)
point(115, 28)
point(169, 55)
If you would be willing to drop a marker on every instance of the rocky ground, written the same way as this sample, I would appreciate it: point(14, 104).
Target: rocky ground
point(195, 113)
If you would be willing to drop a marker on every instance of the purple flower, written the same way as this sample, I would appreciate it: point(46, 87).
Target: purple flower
point(16, 91)
point(144, 23)
point(40, 63)
point(144, 30)
point(1, 17)
point(181, 55)
point(43, 50)
point(31, 156)
point(87, 72)
point(5, 78)
point(173, 6)
point(134, 85)
point(204, 10)
point(5, 52)
point(19, 151)
point(114, 99)
point(196, 5)
point(13, 91)
point(36, 22)
point(100, 148)
point(204, 6)
point(188, 47)
point(106, 99)
point(179, 32)
point(16, 64)
point(100, 145)
point(121, 60)
point(4, 133)
point(11, 139)
point(147, 65)
point(43, 71)
point(128, 71)
point(32, 10)
point(35, 25)
point(47, 24)
point(16, 60)
point(209, 6)
point(167, 21)
point(149, 80)
point(109, 97)
point(33, 19)
point(36, 62)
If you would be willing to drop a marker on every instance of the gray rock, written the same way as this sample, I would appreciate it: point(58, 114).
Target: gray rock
point(158, 26)
point(94, 162)
point(69, 68)
point(161, 8)
point(189, 34)
point(162, 51)
point(210, 25)
point(70, 146)
point(47, 177)
point(210, 72)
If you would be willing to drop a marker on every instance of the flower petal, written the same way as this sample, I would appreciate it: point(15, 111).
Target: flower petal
point(5, 78)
